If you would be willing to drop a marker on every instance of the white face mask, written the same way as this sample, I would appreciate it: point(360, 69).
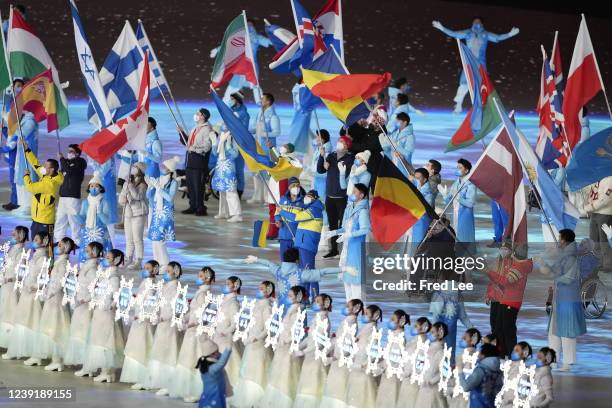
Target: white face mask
point(295, 191)
point(339, 147)
point(71, 156)
point(43, 171)
point(307, 200)
point(196, 117)
point(283, 150)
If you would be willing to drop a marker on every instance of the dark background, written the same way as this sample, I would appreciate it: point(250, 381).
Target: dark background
point(380, 35)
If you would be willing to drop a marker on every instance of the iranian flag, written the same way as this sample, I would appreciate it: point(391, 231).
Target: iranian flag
point(28, 57)
point(235, 55)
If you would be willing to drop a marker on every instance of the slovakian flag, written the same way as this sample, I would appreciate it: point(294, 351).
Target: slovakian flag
point(499, 174)
point(235, 55)
point(127, 133)
point(482, 118)
point(583, 83)
point(396, 205)
point(37, 97)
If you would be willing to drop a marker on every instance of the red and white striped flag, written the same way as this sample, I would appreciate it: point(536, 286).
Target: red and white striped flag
point(583, 83)
point(499, 174)
point(129, 132)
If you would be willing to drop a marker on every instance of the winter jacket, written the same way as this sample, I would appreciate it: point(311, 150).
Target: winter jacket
point(45, 192)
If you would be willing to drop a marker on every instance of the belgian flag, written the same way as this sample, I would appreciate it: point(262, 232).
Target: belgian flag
point(396, 206)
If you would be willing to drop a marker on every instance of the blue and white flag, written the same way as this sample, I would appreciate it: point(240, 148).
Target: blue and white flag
point(120, 74)
point(561, 213)
point(591, 160)
point(280, 37)
point(89, 70)
point(158, 84)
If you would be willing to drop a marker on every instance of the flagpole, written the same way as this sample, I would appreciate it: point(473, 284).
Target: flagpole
point(59, 148)
point(176, 106)
point(8, 68)
point(183, 138)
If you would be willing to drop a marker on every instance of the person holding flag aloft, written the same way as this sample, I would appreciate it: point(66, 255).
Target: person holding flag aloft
point(463, 194)
point(225, 179)
point(290, 202)
point(153, 149)
point(241, 112)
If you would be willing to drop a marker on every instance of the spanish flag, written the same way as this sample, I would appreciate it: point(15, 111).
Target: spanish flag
point(37, 97)
point(396, 206)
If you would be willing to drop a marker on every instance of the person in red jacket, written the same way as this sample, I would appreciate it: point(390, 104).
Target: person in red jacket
point(505, 295)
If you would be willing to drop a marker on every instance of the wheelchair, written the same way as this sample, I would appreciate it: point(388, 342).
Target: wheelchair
point(593, 292)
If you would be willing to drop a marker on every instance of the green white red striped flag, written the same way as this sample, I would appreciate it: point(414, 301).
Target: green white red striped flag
point(235, 55)
point(28, 57)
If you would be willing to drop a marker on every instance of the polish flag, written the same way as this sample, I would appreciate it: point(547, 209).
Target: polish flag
point(583, 83)
point(127, 133)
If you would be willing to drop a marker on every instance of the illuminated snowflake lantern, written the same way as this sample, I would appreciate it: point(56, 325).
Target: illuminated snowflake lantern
point(395, 354)
point(124, 299)
point(70, 284)
point(374, 352)
point(297, 331)
point(274, 326)
point(446, 370)
point(420, 362)
point(100, 288)
point(4, 261)
point(321, 339)
point(244, 319)
point(209, 315)
point(469, 363)
point(22, 269)
point(42, 280)
point(509, 383)
point(526, 387)
point(180, 306)
point(151, 301)
point(348, 345)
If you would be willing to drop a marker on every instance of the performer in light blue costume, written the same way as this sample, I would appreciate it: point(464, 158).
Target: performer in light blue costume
point(9, 151)
point(477, 40)
point(402, 105)
point(421, 181)
point(308, 234)
point(212, 369)
point(289, 273)
point(240, 110)
point(94, 217)
point(239, 81)
point(463, 205)
point(300, 124)
point(153, 150)
point(224, 179)
point(109, 181)
point(404, 140)
point(290, 202)
point(29, 128)
point(359, 173)
point(354, 231)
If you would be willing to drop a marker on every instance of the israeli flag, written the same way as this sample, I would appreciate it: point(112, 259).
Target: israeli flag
point(161, 85)
point(120, 75)
point(96, 94)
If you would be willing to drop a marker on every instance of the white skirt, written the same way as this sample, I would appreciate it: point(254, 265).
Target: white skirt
point(283, 379)
point(430, 397)
point(106, 344)
point(53, 330)
point(133, 371)
point(80, 323)
point(137, 352)
point(253, 375)
point(408, 394)
point(164, 355)
point(361, 390)
point(311, 383)
point(185, 383)
point(22, 339)
point(334, 394)
point(8, 303)
point(387, 392)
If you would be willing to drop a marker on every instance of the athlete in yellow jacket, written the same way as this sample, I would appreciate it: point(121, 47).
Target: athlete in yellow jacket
point(45, 191)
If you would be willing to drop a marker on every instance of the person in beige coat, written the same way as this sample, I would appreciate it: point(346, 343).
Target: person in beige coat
point(133, 198)
point(55, 318)
point(9, 297)
point(106, 340)
point(226, 327)
point(22, 340)
point(429, 396)
point(544, 379)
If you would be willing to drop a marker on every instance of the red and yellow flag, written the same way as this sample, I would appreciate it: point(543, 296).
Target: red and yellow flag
point(37, 97)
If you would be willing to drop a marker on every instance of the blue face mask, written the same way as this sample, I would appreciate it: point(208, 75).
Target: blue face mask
point(56, 251)
point(364, 319)
point(477, 27)
point(413, 331)
point(12, 241)
point(316, 307)
point(226, 290)
point(144, 274)
point(33, 245)
point(357, 162)
point(259, 295)
point(167, 277)
point(463, 344)
point(199, 282)
point(345, 311)
point(105, 263)
point(352, 198)
point(539, 363)
point(515, 356)
point(458, 173)
point(431, 337)
point(288, 302)
point(391, 325)
point(94, 192)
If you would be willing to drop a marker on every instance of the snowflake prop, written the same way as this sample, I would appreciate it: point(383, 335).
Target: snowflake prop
point(210, 314)
point(509, 383)
point(321, 339)
point(446, 370)
point(274, 326)
point(22, 269)
point(375, 352)
point(420, 362)
point(42, 280)
point(4, 261)
point(151, 301)
point(469, 363)
point(297, 331)
point(100, 288)
point(526, 387)
point(124, 299)
point(244, 319)
point(70, 284)
point(394, 354)
point(180, 306)
point(348, 346)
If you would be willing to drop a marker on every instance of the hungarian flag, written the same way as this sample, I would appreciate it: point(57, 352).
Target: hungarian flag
point(37, 97)
point(29, 57)
point(235, 55)
point(499, 174)
point(129, 132)
point(583, 83)
point(482, 117)
point(396, 205)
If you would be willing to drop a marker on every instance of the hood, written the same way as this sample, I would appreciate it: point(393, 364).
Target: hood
point(490, 363)
point(570, 250)
point(361, 204)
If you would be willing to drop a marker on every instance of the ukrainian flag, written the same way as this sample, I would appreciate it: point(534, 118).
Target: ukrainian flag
point(254, 156)
point(260, 230)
